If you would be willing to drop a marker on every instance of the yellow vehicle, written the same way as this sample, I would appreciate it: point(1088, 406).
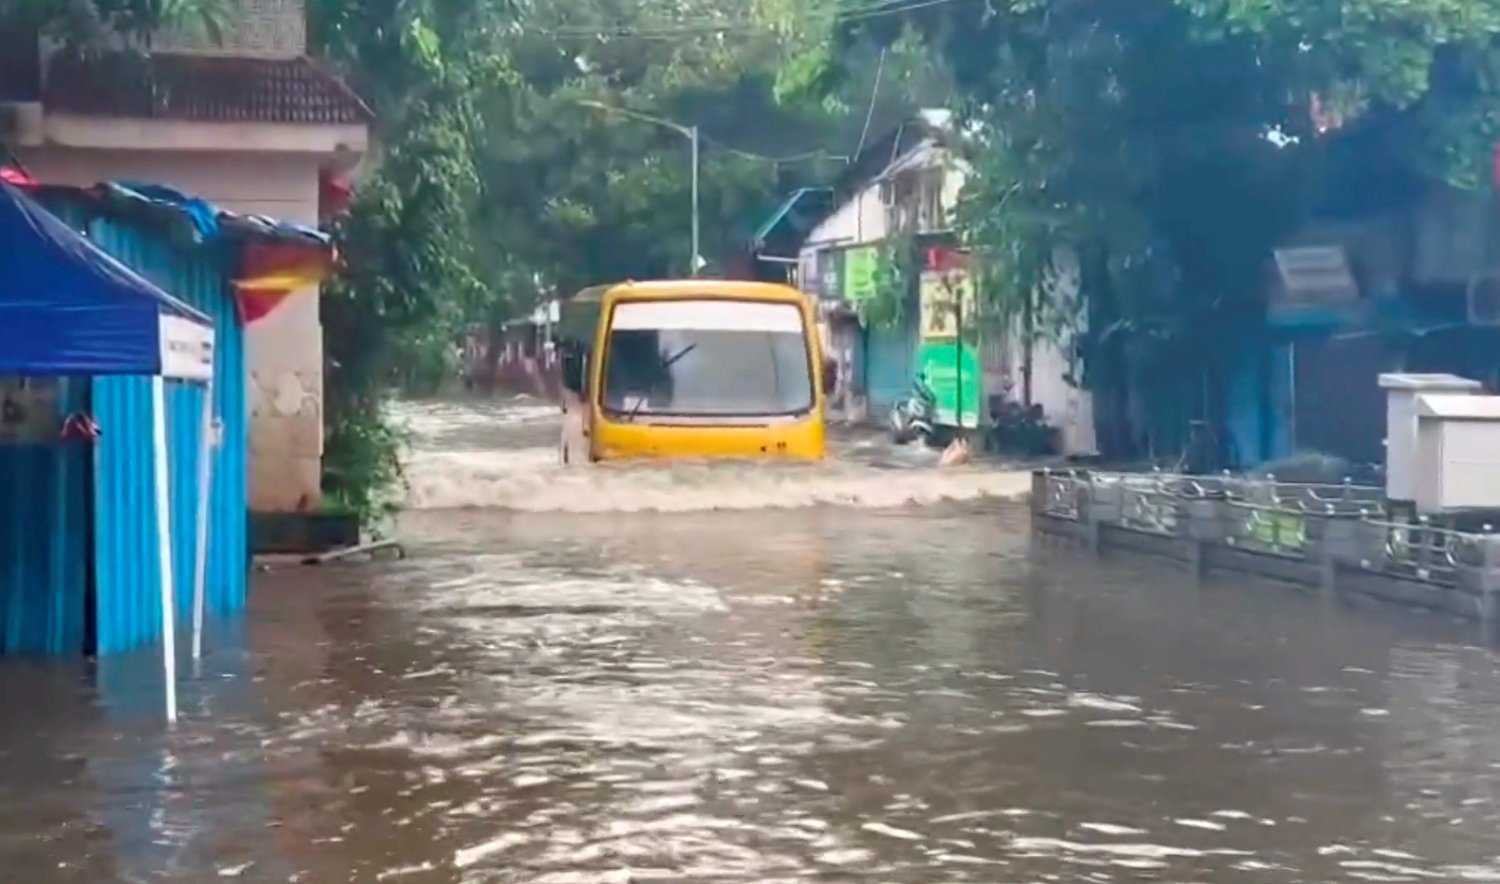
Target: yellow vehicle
point(692, 369)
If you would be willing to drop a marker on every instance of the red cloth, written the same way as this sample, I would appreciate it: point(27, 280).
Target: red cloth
point(271, 272)
point(944, 259)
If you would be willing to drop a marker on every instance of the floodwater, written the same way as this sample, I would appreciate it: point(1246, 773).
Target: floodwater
point(917, 694)
point(504, 454)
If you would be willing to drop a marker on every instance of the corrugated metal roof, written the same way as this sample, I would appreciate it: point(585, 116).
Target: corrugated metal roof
point(201, 88)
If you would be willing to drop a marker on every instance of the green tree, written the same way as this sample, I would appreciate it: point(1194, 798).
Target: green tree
point(498, 181)
point(1170, 144)
point(92, 23)
point(408, 253)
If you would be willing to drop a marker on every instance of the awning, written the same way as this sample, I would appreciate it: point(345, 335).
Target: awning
point(796, 215)
point(68, 308)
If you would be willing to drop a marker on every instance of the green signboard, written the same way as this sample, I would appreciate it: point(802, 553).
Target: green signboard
point(859, 273)
point(942, 363)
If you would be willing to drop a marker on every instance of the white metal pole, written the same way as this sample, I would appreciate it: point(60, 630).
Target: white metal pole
point(205, 478)
point(694, 136)
point(164, 546)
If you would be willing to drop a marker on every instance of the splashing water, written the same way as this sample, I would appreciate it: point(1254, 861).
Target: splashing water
point(504, 455)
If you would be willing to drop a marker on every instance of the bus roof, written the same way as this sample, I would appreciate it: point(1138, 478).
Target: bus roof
point(580, 313)
point(691, 288)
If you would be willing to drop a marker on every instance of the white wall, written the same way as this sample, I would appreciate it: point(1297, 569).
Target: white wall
point(861, 220)
point(285, 348)
point(1066, 407)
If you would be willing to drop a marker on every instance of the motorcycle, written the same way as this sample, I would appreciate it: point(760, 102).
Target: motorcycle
point(916, 415)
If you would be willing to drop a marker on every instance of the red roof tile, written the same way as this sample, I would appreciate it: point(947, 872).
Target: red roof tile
point(201, 88)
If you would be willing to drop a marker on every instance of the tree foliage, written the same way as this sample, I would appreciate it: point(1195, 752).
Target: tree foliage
point(499, 181)
point(85, 24)
point(406, 242)
point(1170, 144)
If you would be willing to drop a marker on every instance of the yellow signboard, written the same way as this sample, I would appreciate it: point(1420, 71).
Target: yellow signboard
point(943, 292)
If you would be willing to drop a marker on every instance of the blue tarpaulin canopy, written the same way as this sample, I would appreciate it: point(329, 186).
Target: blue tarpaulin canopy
point(68, 308)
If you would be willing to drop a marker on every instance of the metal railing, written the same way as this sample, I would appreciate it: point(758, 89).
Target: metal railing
point(1423, 551)
point(1063, 494)
point(1150, 509)
point(1276, 529)
point(1340, 499)
point(1294, 520)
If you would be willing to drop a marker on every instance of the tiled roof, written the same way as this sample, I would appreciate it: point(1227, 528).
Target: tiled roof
point(201, 88)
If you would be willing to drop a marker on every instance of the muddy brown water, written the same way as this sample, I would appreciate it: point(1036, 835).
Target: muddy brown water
point(822, 694)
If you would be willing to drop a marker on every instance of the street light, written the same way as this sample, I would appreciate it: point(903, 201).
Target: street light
point(688, 132)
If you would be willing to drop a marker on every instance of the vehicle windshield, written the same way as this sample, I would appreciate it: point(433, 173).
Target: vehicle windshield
point(708, 357)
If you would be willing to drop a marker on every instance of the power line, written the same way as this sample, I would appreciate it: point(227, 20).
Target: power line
point(870, 114)
point(816, 154)
point(907, 8)
point(720, 26)
point(714, 142)
point(709, 24)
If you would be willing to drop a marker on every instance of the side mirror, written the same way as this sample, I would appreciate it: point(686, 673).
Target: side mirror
point(830, 377)
point(574, 365)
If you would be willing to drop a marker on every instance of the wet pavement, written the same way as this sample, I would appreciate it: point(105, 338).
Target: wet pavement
point(818, 694)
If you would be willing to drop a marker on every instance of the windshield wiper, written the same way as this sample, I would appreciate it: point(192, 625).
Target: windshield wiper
point(637, 409)
point(680, 353)
point(665, 364)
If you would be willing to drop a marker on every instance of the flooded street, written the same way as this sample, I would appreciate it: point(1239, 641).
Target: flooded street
point(824, 693)
point(503, 454)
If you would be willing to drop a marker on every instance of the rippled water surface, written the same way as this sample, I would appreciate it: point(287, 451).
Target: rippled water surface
point(821, 694)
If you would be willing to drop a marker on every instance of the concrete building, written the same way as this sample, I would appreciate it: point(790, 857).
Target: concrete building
point(908, 184)
point(249, 123)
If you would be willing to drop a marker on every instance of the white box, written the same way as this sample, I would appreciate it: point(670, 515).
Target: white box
point(1458, 453)
point(1401, 424)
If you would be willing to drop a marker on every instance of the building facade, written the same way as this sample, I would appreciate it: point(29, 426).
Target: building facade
point(905, 188)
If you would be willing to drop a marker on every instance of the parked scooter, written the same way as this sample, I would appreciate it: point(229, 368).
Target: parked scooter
point(916, 415)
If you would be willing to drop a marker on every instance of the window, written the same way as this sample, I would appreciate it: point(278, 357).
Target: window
point(707, 358)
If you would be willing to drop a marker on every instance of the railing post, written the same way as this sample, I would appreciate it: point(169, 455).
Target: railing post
point(1039, 490)
point(1197, 559)
point(1102, 504)
point(1371, 541)
point(1339, 545)
point(1482, 578)
point(1205, 525)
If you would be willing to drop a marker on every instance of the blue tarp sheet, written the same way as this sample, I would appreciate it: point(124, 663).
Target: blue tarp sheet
point(67, 307)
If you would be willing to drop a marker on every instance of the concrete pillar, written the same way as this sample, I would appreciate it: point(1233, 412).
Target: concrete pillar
point(1205, 520)
point(1100, 505)
point(1339, 547)
point(1480, 575)
point(1197, 559)
point(1205, 526)
point(1093, 531)
point(1039, 491)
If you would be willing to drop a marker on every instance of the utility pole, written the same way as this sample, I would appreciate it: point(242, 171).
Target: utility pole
point(693, 271)
point(688, 132)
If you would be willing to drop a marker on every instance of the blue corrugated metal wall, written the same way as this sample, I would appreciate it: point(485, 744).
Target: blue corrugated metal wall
point(890, 360)
point(127, 568)
point(126, 563)
point(43, 542)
